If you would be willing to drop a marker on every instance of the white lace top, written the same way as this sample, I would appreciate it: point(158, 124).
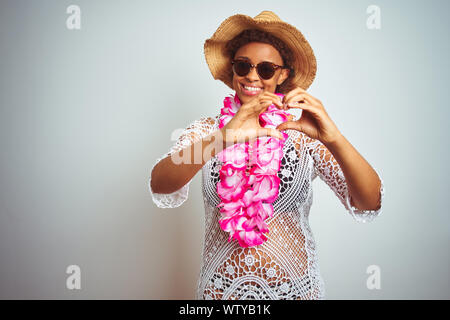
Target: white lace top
point(285, 266)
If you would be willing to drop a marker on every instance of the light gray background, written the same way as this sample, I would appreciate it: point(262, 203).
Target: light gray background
point(85, 113)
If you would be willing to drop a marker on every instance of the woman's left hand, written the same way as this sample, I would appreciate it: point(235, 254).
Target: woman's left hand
point(314, 120)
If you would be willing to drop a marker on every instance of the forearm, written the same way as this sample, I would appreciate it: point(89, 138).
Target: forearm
point(174, 171)
point(362, 181)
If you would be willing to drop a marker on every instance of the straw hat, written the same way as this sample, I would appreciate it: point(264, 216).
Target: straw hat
point(304, 61)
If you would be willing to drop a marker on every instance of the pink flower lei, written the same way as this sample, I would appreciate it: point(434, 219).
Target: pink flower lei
point(247, 197)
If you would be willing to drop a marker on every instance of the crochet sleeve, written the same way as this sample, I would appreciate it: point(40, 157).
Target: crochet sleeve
point(328, 169)
point(195, 131)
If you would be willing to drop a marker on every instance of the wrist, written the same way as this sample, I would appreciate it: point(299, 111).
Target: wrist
point(335, 142)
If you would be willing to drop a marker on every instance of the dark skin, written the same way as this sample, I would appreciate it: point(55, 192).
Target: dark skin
point(257, 52)
point(362, 181)
point(245, 125)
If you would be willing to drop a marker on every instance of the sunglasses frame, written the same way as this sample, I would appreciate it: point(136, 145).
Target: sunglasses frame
point(274, 66)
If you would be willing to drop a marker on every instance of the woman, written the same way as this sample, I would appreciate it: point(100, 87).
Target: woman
point(257, 241)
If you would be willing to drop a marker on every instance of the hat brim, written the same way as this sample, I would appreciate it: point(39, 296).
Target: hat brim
point(219, 63)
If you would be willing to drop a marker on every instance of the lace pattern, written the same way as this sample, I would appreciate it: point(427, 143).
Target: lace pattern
point(286, 265)
point(327, 168)
point(195, 131)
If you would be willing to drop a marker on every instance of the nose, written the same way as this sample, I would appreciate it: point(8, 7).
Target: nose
point(253, 75)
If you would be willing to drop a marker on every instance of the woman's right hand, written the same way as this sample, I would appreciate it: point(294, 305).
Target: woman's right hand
point(244, 126)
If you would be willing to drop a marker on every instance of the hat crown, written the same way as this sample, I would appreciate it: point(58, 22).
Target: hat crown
point(267, 16)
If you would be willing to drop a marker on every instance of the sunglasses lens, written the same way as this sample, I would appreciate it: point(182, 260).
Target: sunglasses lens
point(241, 68)
point(266, 70)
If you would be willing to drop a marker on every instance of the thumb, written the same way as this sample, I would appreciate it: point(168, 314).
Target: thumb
point(273, 133)
point(289, 125)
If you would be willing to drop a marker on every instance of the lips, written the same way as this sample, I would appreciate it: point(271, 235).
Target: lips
point(250, 86)
point(250, 92)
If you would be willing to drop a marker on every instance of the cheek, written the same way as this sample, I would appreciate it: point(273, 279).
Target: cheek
point(270, 84)
point(235, 83)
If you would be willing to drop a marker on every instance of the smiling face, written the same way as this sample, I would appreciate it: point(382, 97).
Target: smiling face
point(256, 52)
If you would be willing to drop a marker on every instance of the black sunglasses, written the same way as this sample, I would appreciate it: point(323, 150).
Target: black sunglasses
point(265, 69)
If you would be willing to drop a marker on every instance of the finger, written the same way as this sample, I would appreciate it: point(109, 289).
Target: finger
point(295, 98)
point(273, 96)
point(290, 94)
point(299, 90)
point(315, 111)
point(303, 106)
point(264, 105)
point(294, 105)
point(289, 125)
point(274, 101)
point(311, 96)
point(277, 102)
point(301, 99)
point(305, 96)
point(273, 133)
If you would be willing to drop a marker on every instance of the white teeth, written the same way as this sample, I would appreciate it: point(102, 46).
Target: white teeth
point(252, 88)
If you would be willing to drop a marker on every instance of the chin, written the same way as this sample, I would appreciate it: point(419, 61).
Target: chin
point(242, 99)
